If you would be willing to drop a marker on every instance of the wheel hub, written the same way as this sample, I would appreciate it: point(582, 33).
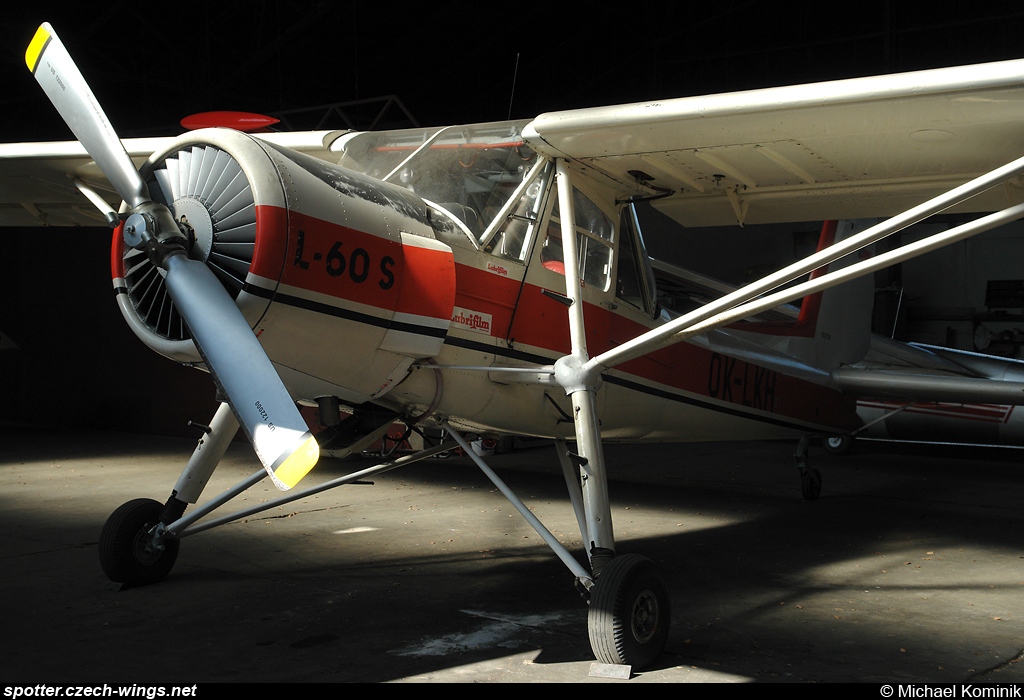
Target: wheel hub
point(644, 620)
point(145, 551)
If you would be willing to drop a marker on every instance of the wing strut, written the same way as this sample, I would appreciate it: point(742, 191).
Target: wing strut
point(733, 307)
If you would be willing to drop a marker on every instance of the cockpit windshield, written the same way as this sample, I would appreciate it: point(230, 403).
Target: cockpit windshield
point(469, 173)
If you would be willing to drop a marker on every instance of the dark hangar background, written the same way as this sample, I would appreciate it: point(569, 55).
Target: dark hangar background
point(453, 62)
point(70, 359)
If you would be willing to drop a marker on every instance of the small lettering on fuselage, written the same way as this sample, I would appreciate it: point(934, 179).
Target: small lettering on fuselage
point(471, 320)
point(739, 382)
point(497, 269)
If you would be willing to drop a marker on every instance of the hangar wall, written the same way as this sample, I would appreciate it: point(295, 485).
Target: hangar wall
point(941, 298)
point(76, 363)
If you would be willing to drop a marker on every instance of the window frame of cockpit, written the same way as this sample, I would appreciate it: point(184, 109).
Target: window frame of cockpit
point(541, 175)
point(551, 226)
point(631, 235)
point(479, 213)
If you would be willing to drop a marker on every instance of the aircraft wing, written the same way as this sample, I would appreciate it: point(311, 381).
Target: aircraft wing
point(863, 147)
point(37, 179)
point(915, 372)
point(891, 370)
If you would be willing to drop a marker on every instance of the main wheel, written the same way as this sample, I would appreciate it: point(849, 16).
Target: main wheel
point(629, 613)
point(126, 552)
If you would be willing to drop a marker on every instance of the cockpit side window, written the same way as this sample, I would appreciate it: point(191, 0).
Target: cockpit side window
point(634, 282)
point(595, 234)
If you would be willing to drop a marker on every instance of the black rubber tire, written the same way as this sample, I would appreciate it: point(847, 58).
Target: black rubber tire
point(630, 612)
point(839, 444)
point(123, 552)
point(810, 484)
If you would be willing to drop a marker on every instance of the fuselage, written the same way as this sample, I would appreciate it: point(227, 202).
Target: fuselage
point(426, 256)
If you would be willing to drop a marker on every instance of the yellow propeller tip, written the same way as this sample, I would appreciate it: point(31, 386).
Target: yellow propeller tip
point(298, 464)
point(36, 46)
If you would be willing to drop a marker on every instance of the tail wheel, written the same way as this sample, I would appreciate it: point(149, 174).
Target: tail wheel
point(839, 444)
point(629, 613)
point(127, 553)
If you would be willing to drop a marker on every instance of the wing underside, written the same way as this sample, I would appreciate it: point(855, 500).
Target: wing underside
point(37, 180)
point(843, 149)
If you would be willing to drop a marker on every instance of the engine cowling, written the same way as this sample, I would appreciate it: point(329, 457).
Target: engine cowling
point(340, 276)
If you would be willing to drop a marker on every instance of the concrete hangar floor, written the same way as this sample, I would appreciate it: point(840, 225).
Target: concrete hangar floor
point(908, 569)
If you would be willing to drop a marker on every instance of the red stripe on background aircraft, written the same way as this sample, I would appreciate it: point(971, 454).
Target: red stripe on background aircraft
point(959, 419)
point(492, 279)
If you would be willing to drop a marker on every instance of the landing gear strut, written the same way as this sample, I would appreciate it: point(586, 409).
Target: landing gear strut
point(630, 612)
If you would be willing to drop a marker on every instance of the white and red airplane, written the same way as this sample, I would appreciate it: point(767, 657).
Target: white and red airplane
point(492, 279)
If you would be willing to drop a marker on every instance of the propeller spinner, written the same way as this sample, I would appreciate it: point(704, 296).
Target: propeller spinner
point(233, 355)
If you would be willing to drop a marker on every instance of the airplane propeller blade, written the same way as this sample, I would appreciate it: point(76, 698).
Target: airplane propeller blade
point(233, 355)
point(56, 72)
point(242, 369)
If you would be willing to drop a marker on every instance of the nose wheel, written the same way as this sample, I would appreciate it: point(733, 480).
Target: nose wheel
point(629, 613)
point(128, 551)
point(810, 484)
